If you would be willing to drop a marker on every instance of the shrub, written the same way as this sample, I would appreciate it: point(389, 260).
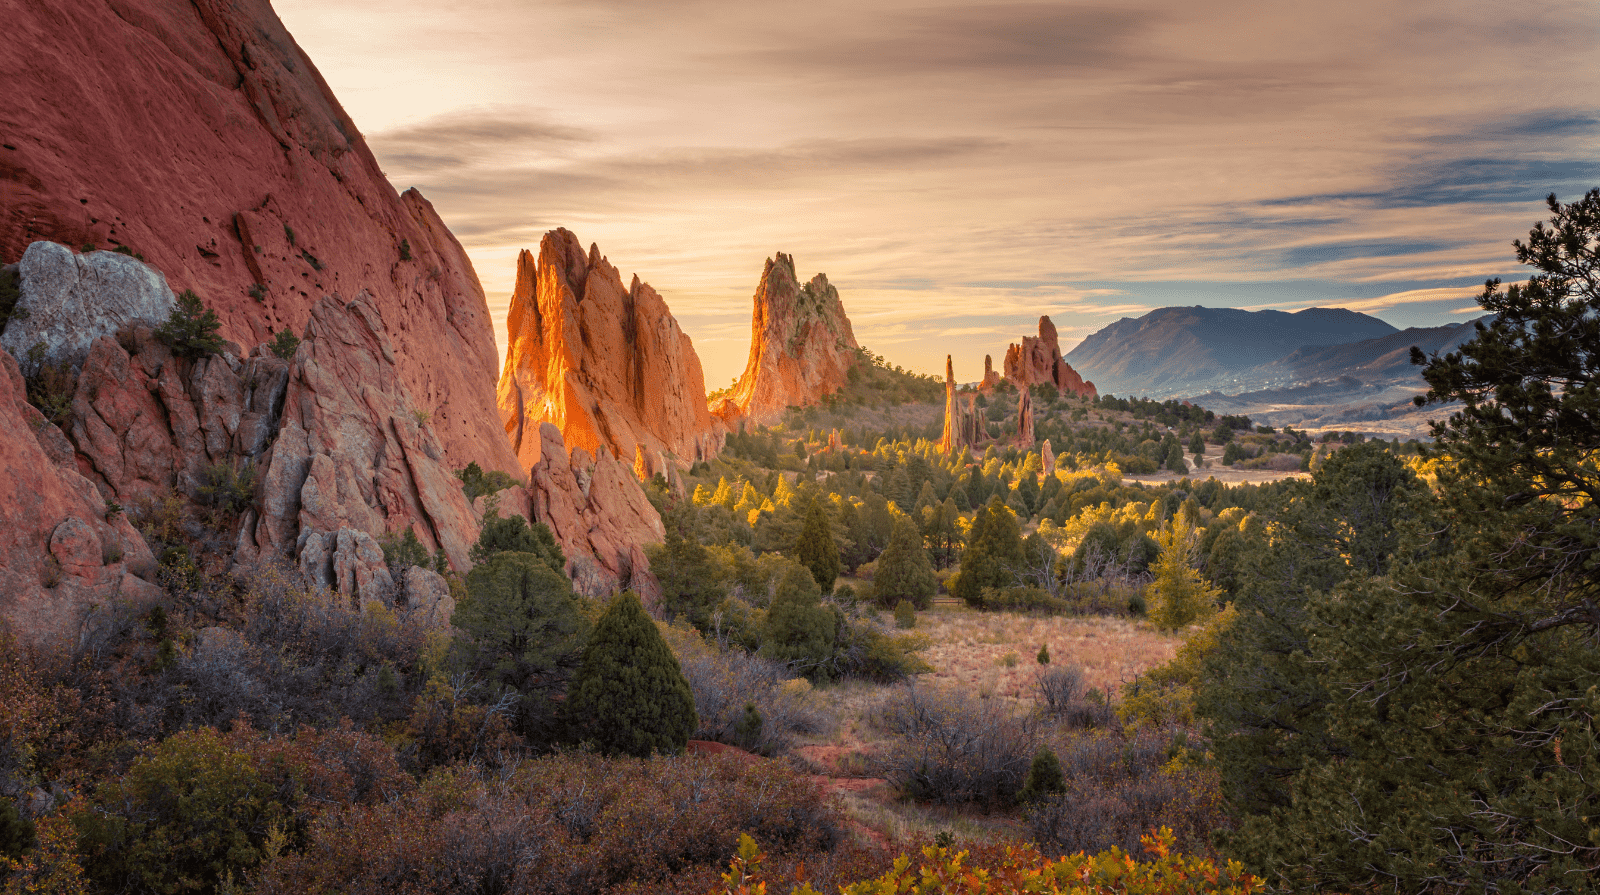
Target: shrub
point(800, 631)
point(629, 695)
point(50, 387)
point(222, 486)
point(401, 552)
point(943, 869)
point(16, 833)
point(1115, 789)
point(513, 534)
point(723, 681)
point(568, 824)
point(190, 810)
point(405, 250)
point(1044, 777)
point(747, 730)
point(953, 747)
point(476, 483)
point(284, 344)
point(192, 329)
point(905, 615)
point(10, 294)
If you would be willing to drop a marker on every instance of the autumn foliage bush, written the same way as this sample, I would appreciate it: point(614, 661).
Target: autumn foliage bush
point(949, 872)
point(568, 823)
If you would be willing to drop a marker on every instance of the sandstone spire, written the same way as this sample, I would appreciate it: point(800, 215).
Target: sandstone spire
point(801, 344)
point(1038, 361)
point(963, 423)
point(1025, 430)
point(606, 363)
point(990, 377)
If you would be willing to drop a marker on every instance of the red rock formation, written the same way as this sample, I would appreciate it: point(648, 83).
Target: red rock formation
point(1048, 459)
point(964, 424)
point(607, 364)
point(801, 344)
point(1025, 431)
point(598, 514)
point(60, 553)
point(1038, 361)
point(197, 133)
point(354, 452)
point(990, 377)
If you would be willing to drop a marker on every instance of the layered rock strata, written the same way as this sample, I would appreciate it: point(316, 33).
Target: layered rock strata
point(1038, 361)
point(605, 363)
point(197, 134)
point(801, 344)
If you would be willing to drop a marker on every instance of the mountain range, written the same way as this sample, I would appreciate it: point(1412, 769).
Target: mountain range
point(1317, 368)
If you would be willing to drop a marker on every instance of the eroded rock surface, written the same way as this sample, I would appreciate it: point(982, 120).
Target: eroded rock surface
point(69, 300)
point(598, 513)
point(801, 344)
point(605, 363)
point(61, 552)
point(1038, 361)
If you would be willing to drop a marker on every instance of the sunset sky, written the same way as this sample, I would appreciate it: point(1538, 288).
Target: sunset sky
point(958, 169)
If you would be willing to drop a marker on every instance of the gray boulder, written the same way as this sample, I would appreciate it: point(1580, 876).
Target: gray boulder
point(70, 300)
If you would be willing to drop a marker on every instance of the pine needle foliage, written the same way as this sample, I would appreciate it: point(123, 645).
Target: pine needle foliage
point(630, 696)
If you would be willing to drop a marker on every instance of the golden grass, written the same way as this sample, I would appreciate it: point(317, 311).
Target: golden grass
point(969, 649)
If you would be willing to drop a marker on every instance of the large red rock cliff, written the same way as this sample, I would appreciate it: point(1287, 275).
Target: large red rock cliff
point(1038, 361)
point(197, 133)
point(801, 344)
point(605, 363)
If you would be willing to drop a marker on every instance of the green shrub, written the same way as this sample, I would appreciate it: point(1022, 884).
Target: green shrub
point(815, 548)
point(800, 631)
point(257, 291)
point(1044, 777)
point(284, 344)
point(192, 329)
point(513, 534)
point(747, 730)
point(905, 615)
point(405, 250)
point(403, 551)
point(904, 571)
point(630, 696)
point(16, 833)
point(10, 294)
point(223, 486)
point(521, 627)
point(475, 482)
point(190, 811)
point(50, 387)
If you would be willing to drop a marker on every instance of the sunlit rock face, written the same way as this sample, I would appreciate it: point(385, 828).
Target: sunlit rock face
point(801, 344)
point(1038, 361)
point(197, 134)
point(964, 422)
point(605, 363)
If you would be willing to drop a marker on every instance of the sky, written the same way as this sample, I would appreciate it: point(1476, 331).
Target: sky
point(959, 169)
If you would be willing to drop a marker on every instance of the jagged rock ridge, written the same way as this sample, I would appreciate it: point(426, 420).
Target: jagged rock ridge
point(1038, 361)
point(801, 344)
point(964, 423)
point(606, 363)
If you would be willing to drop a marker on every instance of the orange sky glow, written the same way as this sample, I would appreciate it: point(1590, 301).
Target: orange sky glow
point(958, 169)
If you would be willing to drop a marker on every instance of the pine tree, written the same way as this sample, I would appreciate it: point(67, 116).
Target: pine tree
point(1179, 596)
point(800, 631)
point(993, 552)
point(904, 571)
point(815, 548)
point(630, 696)
point(520, 625)
point(690, 585)
point(1044, 777)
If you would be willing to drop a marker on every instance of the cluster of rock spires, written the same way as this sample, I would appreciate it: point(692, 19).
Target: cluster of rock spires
point(606, 363)
point(1038, 361)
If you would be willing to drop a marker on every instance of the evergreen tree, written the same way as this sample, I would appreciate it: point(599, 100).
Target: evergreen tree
point(1179, 596)
point(992, 554)
point(192, 330)
point(520, 626)
point(815, 548)
point(630, 696)
point(513, 534)
point(691, 587)
point(1044, 777)
point(800, 631)
point(904, 571)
